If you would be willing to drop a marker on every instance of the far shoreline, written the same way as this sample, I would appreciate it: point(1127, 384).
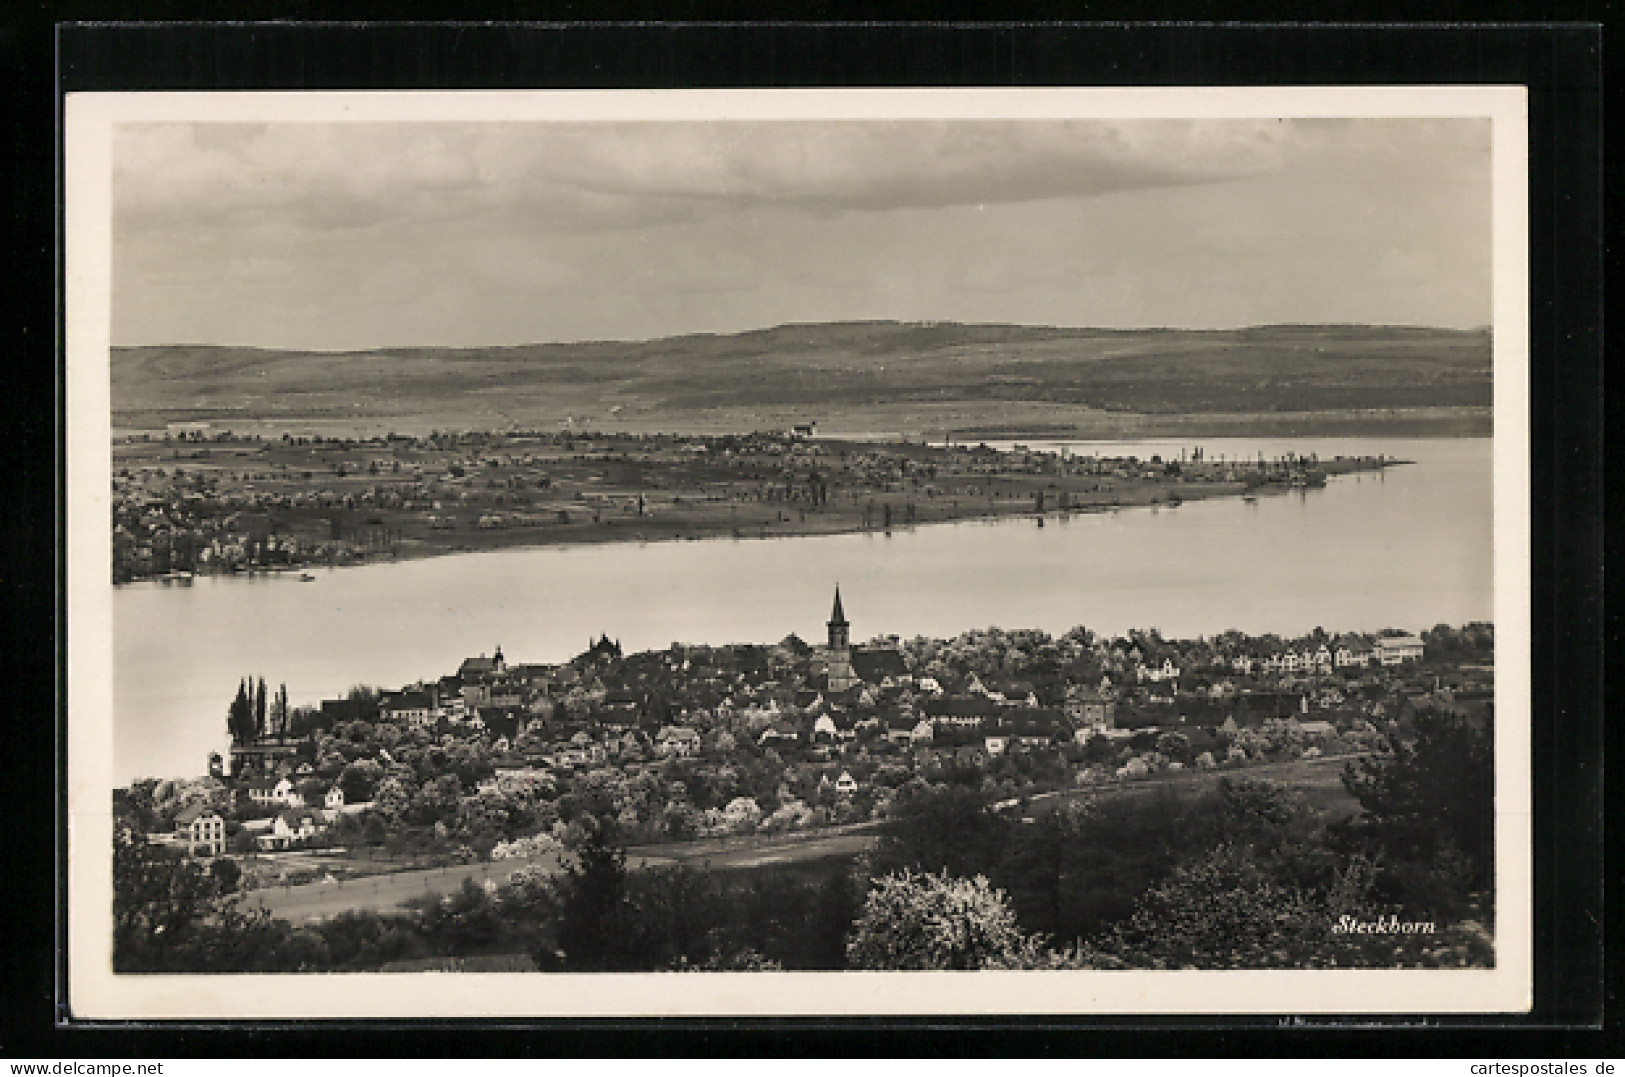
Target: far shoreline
point(898, 422)
point(616, 532)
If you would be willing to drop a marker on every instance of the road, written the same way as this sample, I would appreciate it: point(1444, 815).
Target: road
point(318, 901)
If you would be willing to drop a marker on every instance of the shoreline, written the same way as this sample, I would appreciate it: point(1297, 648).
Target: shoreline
point(1157, 496)
point(899, 422)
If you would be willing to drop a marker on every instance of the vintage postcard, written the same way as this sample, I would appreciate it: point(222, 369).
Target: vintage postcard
point(798, 553)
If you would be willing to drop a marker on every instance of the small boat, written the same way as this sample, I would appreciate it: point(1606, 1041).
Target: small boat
point(1251, 499)
point(305, 577)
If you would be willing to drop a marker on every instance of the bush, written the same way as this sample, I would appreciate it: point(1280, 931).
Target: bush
point(914, 921)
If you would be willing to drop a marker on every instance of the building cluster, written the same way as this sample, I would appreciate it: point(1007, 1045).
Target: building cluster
point(695, 740)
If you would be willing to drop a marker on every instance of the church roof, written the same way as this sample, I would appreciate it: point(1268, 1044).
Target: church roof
point(877, 664)
point(838, 616)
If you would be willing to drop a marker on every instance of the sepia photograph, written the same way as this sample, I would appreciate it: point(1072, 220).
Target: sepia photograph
point(798, 552)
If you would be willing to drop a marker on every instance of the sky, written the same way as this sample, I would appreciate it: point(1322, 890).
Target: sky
point(348, 236)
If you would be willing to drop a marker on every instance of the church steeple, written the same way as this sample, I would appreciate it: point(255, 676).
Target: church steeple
point(841, 675)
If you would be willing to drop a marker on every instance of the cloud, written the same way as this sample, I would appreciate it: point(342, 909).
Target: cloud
point(586, 176)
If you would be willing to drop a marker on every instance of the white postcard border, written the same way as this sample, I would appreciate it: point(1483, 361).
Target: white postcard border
point(95, 993)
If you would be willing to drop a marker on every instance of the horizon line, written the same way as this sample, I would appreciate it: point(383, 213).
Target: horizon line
point(901, 322)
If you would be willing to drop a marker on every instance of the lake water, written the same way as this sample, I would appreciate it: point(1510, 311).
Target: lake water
point(1409, 549)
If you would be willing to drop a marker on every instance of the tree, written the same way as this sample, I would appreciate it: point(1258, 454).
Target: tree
point(914, 921)
point(240, 717)
point(171, 916)
point(941, 829)
point(392, 799)
point(591, 900)
point(259, 709)
point(357, 779)
point(279, 711)
point(157, 902)
point(1431, 793)
point(226, 874)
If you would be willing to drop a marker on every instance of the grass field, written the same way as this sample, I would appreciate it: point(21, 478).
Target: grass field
point(1320, 780)
point(320, 900)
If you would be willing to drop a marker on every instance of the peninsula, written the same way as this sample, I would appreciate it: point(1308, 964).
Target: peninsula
point(202, 502)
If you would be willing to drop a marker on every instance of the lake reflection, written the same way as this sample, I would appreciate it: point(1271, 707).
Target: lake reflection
point(1409, 549)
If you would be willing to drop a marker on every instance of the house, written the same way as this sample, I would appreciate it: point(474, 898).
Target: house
point(1090, 709)
point(780, 732)
point(846, 785)
point(478, 669)
point(289, 827)
point(333, 800)
point(1352, 652)
point(1033, 727)
point(996, 744)
point(1395, 650)
point(506, 695)
point(256, 792)
point(263, 758)
point(203, 832)
point(604, 650)
point(878, 664)
point(415, 709)
point(954, 756)
point(267, 792)
point(677, 740)
point(963, 712)
point(900, 728)
point(338, 711)
point(1317, 729)
point(1167, 671)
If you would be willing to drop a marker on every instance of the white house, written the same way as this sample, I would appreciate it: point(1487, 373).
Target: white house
point(409, 708)
point(268, 792)
point(288, 828)
point(846, 785)
point(1352, 653)
point(205, 835)
point(1394, 650)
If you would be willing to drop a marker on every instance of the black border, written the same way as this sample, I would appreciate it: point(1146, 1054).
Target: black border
point(1561, 65)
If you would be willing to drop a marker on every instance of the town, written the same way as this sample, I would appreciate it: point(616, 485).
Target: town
point(199, 501)
point(506, 761)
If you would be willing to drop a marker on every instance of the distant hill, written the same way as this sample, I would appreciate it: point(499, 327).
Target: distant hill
point(823, 369)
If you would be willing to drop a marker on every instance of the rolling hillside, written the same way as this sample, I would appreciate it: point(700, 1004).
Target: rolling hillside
point(920, 374)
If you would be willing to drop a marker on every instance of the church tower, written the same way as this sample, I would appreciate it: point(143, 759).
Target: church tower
point(841, 674)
